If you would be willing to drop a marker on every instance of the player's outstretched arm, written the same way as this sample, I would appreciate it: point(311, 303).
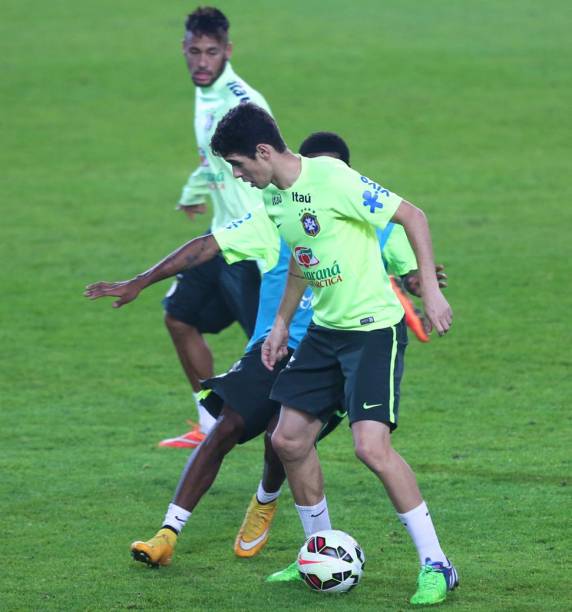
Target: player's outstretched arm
point(191, 254)
point(416, 226)
point(275, 346)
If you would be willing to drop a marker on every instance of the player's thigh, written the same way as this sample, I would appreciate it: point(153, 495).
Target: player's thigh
point(246, 389)
point(296, 429)
point(373, 363)
point(312, 382)
point(214, 316)
point(240, 289)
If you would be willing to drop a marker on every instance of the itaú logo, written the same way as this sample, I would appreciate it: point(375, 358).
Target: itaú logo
point(304, 198)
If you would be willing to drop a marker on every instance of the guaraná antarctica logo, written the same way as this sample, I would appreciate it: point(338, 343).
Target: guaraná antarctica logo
point(323, 277)
point(305, 257)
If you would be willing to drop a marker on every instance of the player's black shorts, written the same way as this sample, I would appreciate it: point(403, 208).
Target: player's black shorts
point(245, 388)
point(361, 370)
point(215, 294)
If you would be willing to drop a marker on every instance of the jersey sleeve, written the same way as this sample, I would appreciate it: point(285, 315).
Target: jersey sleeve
point(196, 189)
point(364, 199)
point(254, 236)
point(397, 252)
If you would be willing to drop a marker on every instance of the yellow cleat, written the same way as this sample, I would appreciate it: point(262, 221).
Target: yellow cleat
point(255, 528)
point(156, 551)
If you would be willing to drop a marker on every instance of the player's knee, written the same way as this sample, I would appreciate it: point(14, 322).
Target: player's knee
point(286, 447)
point(176, 327)
point(227, 430)
point(375, 455)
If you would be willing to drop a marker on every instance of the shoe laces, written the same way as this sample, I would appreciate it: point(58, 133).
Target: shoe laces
point(430, 577)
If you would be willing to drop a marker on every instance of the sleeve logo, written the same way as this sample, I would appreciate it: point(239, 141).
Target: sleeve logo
point(370, 198)
point(238, 222)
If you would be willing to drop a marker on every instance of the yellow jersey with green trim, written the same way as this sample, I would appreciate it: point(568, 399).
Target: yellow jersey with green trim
point(328, 218)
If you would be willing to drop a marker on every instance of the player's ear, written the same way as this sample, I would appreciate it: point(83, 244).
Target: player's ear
point(228, 50)
point(264, 151)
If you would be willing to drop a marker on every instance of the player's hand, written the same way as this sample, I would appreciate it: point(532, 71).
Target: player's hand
point(194, 209)
point(126, 291)
point(413, 286)
point(275, 346)
point(438, 311)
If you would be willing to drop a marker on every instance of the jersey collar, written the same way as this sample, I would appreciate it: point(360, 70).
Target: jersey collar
point(226, 76)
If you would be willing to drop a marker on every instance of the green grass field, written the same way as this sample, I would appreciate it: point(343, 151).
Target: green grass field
point(461, 107)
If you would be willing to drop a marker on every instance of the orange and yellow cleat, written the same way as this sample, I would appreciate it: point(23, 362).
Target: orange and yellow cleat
point(255, 529)
point(156, 551)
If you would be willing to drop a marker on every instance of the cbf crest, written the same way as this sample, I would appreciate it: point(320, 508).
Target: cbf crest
point(310, 222)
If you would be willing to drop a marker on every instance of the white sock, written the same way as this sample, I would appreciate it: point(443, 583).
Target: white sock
point(314, 518)
point(206, 421)
point(420, 527)
point(264, 497)
point(176, 517)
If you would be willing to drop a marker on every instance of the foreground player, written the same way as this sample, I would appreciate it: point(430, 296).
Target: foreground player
point(210, 297)
point(353, 351)
point(399, 259)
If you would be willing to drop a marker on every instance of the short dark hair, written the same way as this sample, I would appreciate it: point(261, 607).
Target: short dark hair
point(325, 142)
point(208, 21)
point(243, 128)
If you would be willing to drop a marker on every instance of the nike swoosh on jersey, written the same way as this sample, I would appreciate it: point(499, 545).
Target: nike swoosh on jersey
point(250, 545)
point(367, 406)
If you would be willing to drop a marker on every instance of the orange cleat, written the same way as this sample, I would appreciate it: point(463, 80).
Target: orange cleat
point(413, 316)
point(255, 528)
point(156, 551)
point(189, 440)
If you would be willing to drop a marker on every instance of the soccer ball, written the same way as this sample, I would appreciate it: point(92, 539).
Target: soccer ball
point(331, 561)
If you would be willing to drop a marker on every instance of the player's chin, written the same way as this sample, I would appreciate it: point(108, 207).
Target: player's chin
point(258, 183)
